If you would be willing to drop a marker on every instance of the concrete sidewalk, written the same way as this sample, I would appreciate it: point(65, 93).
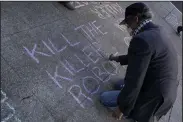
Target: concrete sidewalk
point(54, 61)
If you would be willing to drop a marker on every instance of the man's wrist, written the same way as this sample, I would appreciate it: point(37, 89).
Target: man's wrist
point(117, 58)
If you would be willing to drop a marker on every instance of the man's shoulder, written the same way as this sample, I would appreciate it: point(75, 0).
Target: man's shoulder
point(153, 35)
point(148, 38)
point(149, 33)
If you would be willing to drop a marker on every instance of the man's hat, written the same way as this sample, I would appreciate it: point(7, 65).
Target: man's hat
point(135, 9)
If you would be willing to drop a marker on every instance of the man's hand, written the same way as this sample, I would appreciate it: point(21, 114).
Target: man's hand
point(113, 58)
point(117, 114)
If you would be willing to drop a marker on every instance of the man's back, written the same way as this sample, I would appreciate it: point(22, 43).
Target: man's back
point(161, 75)
point(163, 65)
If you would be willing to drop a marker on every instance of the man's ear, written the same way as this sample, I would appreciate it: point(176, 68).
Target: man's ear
point(136, 19)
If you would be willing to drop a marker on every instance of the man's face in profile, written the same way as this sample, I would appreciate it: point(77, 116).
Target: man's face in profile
point(131, 23)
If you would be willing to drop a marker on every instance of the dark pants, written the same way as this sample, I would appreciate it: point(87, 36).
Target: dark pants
point(109, 99)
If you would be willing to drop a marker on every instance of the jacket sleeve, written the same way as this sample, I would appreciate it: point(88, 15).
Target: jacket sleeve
point(139, 55)
point(123, 59)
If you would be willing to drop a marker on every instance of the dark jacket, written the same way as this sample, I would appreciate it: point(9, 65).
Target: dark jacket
point(151, 77)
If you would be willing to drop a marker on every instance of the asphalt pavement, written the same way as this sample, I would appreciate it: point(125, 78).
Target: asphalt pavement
point(54, 62)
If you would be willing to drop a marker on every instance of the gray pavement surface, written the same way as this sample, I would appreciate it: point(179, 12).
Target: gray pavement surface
point(54, 61)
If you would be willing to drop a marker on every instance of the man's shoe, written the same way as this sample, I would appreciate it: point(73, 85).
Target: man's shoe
point(69, 5)
point(179, 29)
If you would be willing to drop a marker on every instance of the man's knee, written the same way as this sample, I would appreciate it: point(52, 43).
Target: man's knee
point(109, 98)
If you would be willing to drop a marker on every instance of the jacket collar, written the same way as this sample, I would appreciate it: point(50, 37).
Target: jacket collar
point(145, 25)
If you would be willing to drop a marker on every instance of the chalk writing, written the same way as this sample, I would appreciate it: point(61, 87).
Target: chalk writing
point(107, 10)
point(104, 65)
point(70, 66)
point(86, 65)
point(97, 45)
point(127, 40)
point(93, 54)
point(79, 4)
point(3, 97)
point(10, 115)
point(33, 52)
point(98, 13)
point(108, 65)
point(79, 96)
point(98, 28)
point(172, 19)
point(56, 76)
point(82, 28)
point(117, 8)
point(101, 75)
point(98, 48)
point(111, 10)
point(67, 68)
point(54, 47)
point(74, 69)
point(69, 41)
point(49, 47)
point(91, 30)
point(91, 80)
